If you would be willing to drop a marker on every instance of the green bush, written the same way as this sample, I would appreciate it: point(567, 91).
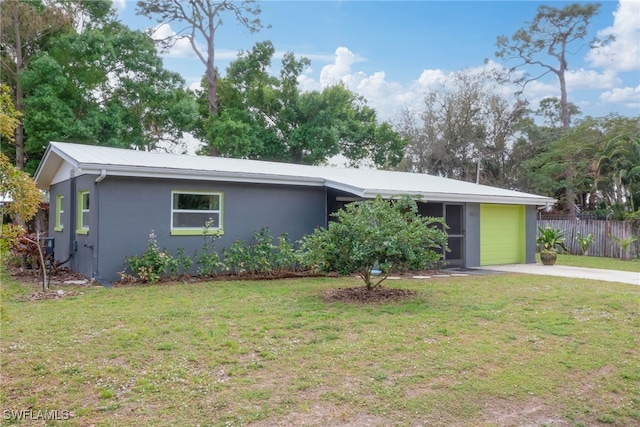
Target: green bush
point(151, 265)
point(387, 234)
point(261, 257)
point(181, 264)
point(10, 238)
point(262, 252)
point(285, 257)
point(237, 258)
point(209, 263)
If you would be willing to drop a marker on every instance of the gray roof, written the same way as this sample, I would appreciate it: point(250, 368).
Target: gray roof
point(366, 183)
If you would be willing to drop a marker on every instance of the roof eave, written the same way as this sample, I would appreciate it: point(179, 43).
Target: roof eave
point(146, 172)
point(47, 167)
point(467, 198)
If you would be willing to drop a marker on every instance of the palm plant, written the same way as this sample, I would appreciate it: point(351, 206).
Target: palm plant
point(623, 243)
point(619, 169)
point(550, 240)
point(584, 242)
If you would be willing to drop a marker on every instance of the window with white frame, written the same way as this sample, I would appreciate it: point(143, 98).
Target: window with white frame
point(194, 211)
point(83, 212)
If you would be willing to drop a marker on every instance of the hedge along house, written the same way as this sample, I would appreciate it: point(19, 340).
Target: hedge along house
point(105, 202)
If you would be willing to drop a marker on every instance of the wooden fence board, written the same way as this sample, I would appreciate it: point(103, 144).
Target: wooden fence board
point(603, 244)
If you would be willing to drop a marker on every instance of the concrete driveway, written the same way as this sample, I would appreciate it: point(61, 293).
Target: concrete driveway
point(565, 271)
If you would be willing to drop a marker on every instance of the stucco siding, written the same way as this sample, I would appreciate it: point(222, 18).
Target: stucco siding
point(531, 233)
point(472, 235)
point(76, 249)
point(131, 208)
point(62, 238)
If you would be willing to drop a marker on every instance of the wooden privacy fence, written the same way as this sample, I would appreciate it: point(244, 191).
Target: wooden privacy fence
point(603, 245)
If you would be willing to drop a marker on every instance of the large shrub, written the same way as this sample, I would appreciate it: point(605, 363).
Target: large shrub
point(389, 235)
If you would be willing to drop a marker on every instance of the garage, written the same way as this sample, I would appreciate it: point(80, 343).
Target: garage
point(502, 234)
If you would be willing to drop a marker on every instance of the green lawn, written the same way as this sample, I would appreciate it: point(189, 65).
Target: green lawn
point(484, 350)
point(599, 262)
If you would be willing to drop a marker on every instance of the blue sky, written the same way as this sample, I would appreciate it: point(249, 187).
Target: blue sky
point(392, 52)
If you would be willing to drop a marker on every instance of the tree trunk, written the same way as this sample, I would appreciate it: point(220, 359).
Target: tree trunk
point(564, 103)
point(212, 77)
point(19, 95)
point(20, 157)
point(566, 124)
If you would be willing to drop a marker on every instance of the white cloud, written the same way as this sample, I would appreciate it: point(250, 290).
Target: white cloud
point(119, 4)
point(181, 49)
point(307, 84)
point(623, 54)
point(388, 98)
point(591, 79)
point(628, 96)
point(430, 79)
point(340, 69)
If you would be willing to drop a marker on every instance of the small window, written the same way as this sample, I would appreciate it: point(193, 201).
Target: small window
point(59, 213)
point(192, 211)
point(83, 212)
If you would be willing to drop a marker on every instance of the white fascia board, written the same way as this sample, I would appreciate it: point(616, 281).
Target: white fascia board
point(356, 191)
point(466, 198)
point(443, 197)
point(201, 175)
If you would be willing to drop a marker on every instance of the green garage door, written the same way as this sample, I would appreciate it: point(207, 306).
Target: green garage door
point(502, 234)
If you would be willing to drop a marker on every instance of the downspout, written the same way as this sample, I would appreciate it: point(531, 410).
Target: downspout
point(103, 175)
point(72, 214)
point(96, 246)
point(326, 207)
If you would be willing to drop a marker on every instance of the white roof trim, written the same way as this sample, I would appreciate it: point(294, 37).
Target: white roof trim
point(365, 183)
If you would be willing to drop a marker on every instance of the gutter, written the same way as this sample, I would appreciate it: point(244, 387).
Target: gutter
point(248, 177)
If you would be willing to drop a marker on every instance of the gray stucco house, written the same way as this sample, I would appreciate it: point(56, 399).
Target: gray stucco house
point(104, 203)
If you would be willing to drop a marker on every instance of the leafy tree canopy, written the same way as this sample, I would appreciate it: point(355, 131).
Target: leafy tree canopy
point(14, 183)
point(104, 86)
point(9, 116)
point(464, 124)
point(269, 118)
point(20, 188)
point(602, 154)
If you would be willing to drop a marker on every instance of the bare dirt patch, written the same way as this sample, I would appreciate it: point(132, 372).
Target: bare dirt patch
point(58, 276)
point(360, 294)
point(68, 283)
point(59, 294)
point(326, 414)
point(531, 412)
